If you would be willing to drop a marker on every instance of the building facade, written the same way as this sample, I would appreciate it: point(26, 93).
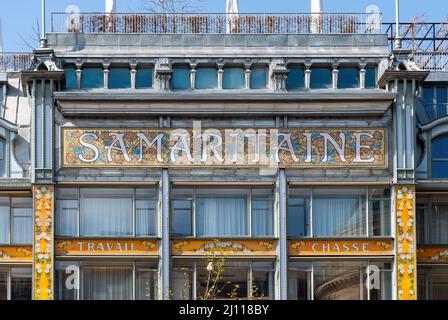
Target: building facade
point(141, 154)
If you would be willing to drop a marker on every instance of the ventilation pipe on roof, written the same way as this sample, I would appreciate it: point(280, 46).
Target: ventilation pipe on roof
point(316, 16)
point(398, 42)
point(232, 15)
point(111, 7)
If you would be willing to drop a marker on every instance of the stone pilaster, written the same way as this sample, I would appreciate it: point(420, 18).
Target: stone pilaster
point(43, 246)
point(405, 242)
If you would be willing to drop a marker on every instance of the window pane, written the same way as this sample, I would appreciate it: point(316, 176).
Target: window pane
point(433, 218)
point(106, 212)
point(439, 147)
point(107, 282)
point(338, 213)
point(3, 285)
point(181, 78)
point(299, 281)
point(262, 281)
point(21, 283)
point(258, 78)
point(370, 78)
point(2, 156)
point(146, 221)
point(66, 280)
point(182, 282)
point(221, 215)
point(92, 78)
point(206, 78)
point(119, 78)
point(348, 78)
point(439, 169)
point(4, 220)
point(182, 210)
point(262, 212)
point(441, 95)
point(321, 78)
point(66, 220)
point(233, 78)
point(70, 78)
point(339, 280)
point(143, 78)
point(145, 283)
point(296, 78)
point(379, 212)
point(22, 220)
point(298, 215)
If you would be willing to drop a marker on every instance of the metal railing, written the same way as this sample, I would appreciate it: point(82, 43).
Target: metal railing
point(436, 110)
point(14, 61)
point(217, 23)
point(434, 61)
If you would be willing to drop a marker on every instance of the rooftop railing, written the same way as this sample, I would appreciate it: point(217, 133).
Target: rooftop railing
point(433, 61)
point(218, 23)
point(14, 61)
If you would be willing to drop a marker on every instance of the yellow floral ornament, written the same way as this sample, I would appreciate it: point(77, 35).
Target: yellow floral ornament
point(43, 243)
point(405, 242)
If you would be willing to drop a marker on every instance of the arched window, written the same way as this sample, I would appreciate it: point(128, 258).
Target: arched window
point(439, 157)
point(2, 157)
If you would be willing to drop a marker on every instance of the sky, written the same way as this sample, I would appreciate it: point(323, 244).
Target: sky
point(19, 17)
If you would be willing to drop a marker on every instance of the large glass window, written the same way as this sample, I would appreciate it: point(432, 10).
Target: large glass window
point(371, 78)
point(181, 78)
point(230, 280)
point(432, 283)
point(439, 157)
point(340, 280)
point(70, 77)
point(338, 212)
point(432, 220)
point(436, 101)
point(259, 78)
point(15, 283)
point(348, 78)
point(296, 78)
point(222, 212)
point(106, 281)
point(119, 78)
point(321, 78)
point(206, 78)
point(16, 221)
point(92, 78)
point(143, 78)
point(106, 212)
point(233, 78)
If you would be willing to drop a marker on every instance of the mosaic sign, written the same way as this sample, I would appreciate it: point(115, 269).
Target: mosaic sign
point(76, 247)
point(432, 255)
point(225, 147)
point(16, 254)
point(340, 247)
point(223, 247)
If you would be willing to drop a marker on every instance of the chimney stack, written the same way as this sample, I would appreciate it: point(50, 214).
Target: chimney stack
point(316, 16)
point(111, 7)
point(316, 6)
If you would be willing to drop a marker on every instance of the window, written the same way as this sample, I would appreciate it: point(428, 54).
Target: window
point(348, 78)
point(436, 101)
point(439, 157)
point(338, 280)
point(296, 78)
point(233, 78)
point(144, 78)
point(15, 283)
point(16, 220)
point(206, 78)
point(259, 78)
point(222, 212)
point(106, 281)
point(70, 77)
point(2, 157)
point(432, 220)
point(432, 283)
point(370, 78)
point(321, 78)
point(92, 78)
point(238, 280)
point(338, 212)
point(181, 78)
point(119, 78)
point(106, 212)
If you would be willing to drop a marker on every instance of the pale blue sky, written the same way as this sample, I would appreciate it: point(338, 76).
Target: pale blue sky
point(19, 16)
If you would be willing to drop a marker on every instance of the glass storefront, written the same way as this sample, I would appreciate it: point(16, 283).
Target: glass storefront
point(432, 220)
point(101, 280)
point(340, 280)
point(222, 279)
point(15, 283)
point(432, 282)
